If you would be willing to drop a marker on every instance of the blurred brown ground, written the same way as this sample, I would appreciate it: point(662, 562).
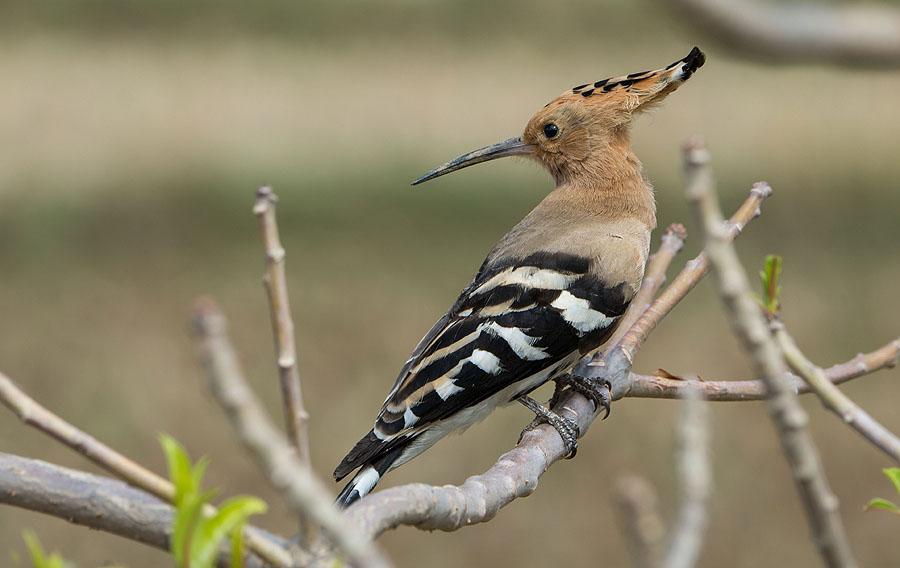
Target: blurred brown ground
point(133, 135)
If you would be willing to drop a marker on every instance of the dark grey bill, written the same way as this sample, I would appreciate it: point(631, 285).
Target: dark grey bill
point(512, 147)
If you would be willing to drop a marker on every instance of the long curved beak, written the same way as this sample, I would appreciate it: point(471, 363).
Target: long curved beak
point(512, 147)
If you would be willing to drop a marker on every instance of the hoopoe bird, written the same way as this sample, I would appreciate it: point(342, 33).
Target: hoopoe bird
point(552, 290)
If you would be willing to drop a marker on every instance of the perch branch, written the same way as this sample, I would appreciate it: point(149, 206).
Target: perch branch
point(298, 486)
point(694, 480)
point(855, 35)
point(832, 397)
point(39, 417)
point(749, 326)
point(295, 414)
point(96, 502)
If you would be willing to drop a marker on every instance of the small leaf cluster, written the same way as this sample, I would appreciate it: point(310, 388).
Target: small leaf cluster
point(196, 536)
point(892, 473)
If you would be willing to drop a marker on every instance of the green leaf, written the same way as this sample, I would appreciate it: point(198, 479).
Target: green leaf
point(189, 500)
point(39, 558)
point(197, 538)
point(237, 546)
point(893, 473)
point(883, 504)
point(180, 470)
point(770, 277)
point(213, 530)
point(188, 517)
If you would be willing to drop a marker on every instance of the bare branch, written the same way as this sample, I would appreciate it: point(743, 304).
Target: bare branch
point(37, 416)
point(832, 397)
point(639, 520)
point(694, 481)
point(855, 35)
point(749, 326)
point(300, 489)
point(671, 242)
point(97, 502)
point(295, 414)
point(652, 386)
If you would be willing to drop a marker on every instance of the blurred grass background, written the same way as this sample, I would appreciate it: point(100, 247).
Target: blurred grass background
point(133, 135)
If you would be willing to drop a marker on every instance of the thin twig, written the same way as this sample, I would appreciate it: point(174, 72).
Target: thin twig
point(39, 417)
point(295, 414)
point(302, 491)
point(854, 35)
point(99, 503)
point(749, 326)
point(832, 397)
point(671, 242)
point(694, 481)
point(639, 520)
point(652, 386)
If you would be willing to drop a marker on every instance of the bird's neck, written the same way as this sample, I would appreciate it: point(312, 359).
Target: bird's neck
point(609, 183)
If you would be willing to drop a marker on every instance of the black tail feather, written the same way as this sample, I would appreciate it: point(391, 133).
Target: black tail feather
point(367, 477)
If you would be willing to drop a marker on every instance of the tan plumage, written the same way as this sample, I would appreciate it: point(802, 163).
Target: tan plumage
point(551, 290)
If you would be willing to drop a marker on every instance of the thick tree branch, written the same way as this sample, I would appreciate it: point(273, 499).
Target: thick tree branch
point(832, 397)
point(295, 414)
point(855, 35)
point(96, 502)
point(37, 416)
point(749, 326)
point(300, 489)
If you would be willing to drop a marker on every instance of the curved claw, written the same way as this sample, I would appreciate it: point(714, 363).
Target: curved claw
point(598, 392)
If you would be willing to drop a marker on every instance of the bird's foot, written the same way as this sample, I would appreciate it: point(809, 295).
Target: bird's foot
point(597, 391)
point(567, 429)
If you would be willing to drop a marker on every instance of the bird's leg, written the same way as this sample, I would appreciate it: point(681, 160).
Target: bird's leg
point(598, 392)
point(568, 429)
point(558, 390)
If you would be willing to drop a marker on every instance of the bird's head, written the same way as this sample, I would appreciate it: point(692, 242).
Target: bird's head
point(583, 122)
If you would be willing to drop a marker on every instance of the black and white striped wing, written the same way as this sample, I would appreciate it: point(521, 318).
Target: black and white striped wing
point(515, 321)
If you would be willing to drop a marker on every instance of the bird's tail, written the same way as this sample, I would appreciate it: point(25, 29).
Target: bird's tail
point(367, 478)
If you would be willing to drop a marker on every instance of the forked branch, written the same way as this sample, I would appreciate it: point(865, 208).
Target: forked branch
point(749, 326)
point(295, 415)
point(832, 397)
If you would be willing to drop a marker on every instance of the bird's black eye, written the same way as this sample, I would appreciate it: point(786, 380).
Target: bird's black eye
point(551, 130)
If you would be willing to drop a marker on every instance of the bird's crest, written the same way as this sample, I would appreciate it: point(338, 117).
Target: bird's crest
point(642, 83)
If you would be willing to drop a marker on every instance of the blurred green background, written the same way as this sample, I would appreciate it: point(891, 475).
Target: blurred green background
point(133, 135)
